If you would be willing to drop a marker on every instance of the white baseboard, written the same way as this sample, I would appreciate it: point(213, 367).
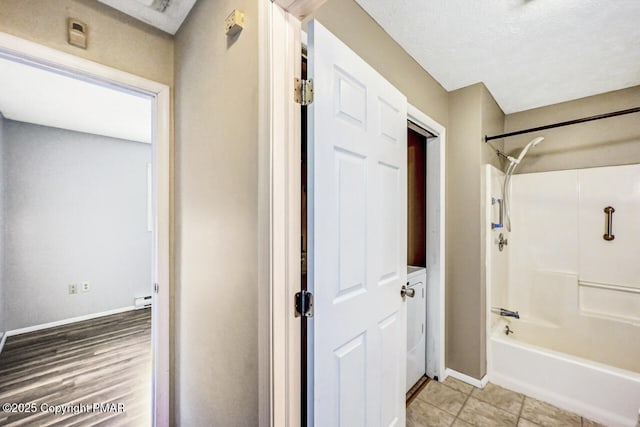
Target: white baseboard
point(65, 321)
point(3, 339)
point(466, 378)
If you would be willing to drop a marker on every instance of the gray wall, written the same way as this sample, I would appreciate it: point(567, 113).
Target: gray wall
point(2, 309)
point(216, 202)
point(75, 210)
point(608, 142)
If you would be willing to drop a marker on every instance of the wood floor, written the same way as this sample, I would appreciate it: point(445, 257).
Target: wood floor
point(103, 361)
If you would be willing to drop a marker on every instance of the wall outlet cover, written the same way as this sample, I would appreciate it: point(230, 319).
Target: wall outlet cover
point(86, 287)
point(73, 289)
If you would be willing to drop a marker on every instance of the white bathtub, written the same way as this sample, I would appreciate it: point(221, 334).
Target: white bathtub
point(600, 392)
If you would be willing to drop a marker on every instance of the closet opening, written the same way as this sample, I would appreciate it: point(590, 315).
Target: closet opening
point(417, 200)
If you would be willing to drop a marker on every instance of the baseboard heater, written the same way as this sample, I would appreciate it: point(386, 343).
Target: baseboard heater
point(142, 302)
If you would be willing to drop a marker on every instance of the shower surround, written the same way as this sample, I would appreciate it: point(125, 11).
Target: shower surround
point(577, 344)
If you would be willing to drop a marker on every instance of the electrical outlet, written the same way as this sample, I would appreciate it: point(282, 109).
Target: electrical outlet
point(86, 287)
point(73, 289)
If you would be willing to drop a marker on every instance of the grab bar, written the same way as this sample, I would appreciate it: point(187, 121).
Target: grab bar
point(504, 312)
point(495, 225)
point(608, 236)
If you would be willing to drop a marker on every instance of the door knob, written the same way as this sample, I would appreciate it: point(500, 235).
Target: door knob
point(409, 292)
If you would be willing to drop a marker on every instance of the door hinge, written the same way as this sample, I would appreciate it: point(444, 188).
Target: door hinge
point(304, 304)
point(303, 91)
point(156, 288)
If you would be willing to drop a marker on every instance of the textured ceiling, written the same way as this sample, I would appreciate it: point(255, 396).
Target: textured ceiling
point(33, 95)
point(529, 53)
point(166, 15)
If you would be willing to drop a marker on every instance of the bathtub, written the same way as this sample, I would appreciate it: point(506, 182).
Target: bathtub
point(594, 390)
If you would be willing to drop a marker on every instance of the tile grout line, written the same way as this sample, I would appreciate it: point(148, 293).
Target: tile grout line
point(462, 407)
point(456, 417)
point(490, 404)
point(521, 409)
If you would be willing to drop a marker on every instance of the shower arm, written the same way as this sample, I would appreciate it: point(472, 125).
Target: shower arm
point(506, 156)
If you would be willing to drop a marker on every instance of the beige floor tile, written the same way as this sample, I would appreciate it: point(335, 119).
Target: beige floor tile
point(495, 395)
point(548, 415)
point(481, 414)
point(459, 423)
point(422, 414)
point(526, 423)
point(442, 397)
point(589, 423)
point(456, 384)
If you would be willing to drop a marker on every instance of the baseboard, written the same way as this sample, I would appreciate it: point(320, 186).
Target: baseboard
point(65, 321)
point(466, 378)
point(3, 339)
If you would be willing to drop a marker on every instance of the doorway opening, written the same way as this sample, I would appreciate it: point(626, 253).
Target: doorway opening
point(85, 209)
point(425, 250)
point(417, 138)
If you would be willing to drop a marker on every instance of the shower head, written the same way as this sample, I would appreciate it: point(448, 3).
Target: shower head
point(526, 148)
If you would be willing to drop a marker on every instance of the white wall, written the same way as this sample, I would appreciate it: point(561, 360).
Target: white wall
point(75, 211)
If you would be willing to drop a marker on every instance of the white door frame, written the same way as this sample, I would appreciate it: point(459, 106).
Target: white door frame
point(279, 210)
point(435, 339)
point(51, 59)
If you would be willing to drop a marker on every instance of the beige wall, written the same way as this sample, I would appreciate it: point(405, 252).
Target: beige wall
point(115, 39)
point(492, 123)
point(351, 24)
point(463, 293)
point(472, 113)
point(613, 141)
point(216, 121)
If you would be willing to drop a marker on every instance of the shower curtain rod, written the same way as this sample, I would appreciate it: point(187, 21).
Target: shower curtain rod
point(567, 123)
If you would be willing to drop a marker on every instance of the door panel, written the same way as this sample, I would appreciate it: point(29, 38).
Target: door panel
point(357, 239)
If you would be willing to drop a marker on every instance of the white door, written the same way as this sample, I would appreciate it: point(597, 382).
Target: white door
point(357, 239)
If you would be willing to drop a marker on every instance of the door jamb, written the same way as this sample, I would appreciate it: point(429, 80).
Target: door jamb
point(46, 57)
point(279, 341)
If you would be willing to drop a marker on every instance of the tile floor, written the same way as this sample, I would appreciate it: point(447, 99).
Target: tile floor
point(457, 404)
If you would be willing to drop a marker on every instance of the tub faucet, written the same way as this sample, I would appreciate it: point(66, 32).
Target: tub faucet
point(505, 312)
